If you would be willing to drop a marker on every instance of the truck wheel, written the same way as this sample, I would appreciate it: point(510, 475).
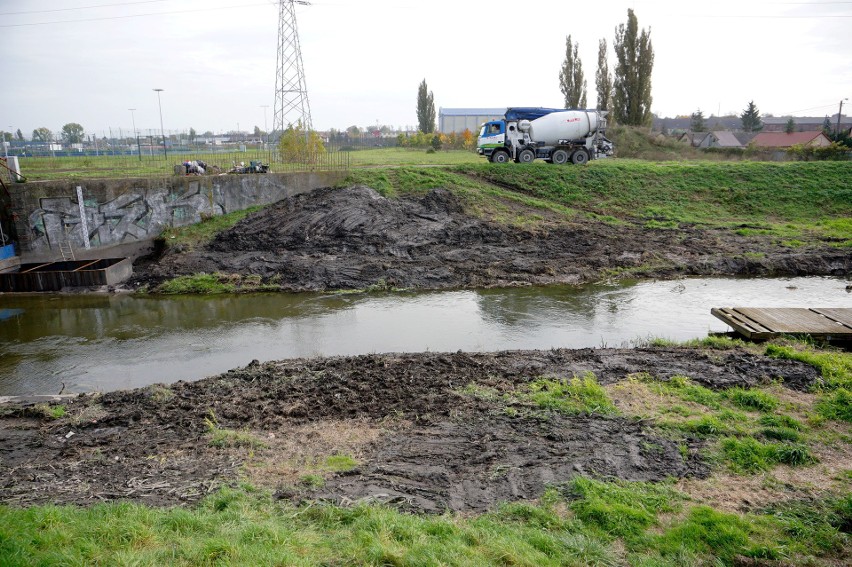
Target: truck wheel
point(559, 157)
point(526, 156)
point(500, 156)
point(580, 157)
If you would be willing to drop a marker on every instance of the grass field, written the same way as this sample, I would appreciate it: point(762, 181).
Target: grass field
point(84, 167)
point(783, 200)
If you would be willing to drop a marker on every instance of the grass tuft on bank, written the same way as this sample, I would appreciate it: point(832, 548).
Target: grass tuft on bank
point(584, 522)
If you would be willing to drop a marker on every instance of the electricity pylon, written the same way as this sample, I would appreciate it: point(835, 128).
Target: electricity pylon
point(291, 91)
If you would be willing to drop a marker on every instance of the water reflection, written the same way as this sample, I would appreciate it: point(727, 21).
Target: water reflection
point(109, 342)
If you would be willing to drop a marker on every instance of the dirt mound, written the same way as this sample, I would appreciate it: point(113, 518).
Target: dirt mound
point(422, 440)
point(354, 239)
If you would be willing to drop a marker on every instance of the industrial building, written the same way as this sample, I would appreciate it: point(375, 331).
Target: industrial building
point(460, 119)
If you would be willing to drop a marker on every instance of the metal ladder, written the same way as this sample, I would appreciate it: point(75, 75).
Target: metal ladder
point(66, 250)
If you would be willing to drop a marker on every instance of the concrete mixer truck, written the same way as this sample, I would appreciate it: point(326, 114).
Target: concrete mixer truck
point(554, 135)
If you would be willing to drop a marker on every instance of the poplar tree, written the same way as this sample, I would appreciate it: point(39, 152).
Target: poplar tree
point(632, 81)
point(571, 80)
point(603, 80)
point(751, 118)
point(425, 109)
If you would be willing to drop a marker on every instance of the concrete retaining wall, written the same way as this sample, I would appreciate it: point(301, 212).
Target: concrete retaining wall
point(121, 211)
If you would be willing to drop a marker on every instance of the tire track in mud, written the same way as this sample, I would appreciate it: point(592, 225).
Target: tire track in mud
point(432, 447)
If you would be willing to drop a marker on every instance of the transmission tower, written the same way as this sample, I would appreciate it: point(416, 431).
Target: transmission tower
point(291, 91)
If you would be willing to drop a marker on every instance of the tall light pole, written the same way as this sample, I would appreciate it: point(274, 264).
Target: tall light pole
point(264, 107)
point(162, 131)
point(839, 112)
point(135, 133)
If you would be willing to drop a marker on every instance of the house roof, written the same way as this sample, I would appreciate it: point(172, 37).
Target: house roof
point(783, 139)
point(726, 139)
point(806, 120)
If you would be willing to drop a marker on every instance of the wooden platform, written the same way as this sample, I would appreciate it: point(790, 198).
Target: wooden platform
point(769, 322)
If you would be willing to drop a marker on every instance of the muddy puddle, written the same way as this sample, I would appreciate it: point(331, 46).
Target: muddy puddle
point(103, 343)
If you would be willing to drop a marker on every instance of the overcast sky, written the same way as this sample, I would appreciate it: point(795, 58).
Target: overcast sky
point(89, 61)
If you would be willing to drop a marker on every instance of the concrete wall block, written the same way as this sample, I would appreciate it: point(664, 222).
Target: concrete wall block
point(123, 210)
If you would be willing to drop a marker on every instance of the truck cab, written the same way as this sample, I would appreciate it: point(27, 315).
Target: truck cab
point(492, 135)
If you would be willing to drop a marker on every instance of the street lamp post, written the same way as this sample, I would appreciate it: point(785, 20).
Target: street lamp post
point(839, 112)
point(264, 107)
point(162, 131)
point(135, 133)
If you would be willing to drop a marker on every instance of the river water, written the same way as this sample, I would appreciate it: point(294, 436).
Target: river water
point(109, 342)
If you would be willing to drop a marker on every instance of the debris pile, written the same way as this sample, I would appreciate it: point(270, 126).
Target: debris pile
point(195, 167)
point(252, 167)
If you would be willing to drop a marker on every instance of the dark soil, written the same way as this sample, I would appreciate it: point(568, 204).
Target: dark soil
point(354, 239)
point(434, 448)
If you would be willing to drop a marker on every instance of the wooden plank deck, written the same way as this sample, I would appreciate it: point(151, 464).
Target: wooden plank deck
point(768, 322)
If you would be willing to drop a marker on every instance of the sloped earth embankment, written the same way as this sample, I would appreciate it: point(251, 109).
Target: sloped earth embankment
point(420, 439)
point(355, 238)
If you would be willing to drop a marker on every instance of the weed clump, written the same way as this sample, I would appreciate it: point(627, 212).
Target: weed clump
point(749, 455)
point(751, 399)
point(574, 396)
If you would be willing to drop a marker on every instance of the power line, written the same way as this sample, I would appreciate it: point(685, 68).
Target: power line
point(832, 105)
point(80, 8)
point(207, 9)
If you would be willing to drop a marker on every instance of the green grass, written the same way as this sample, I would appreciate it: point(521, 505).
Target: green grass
point(748, 455)
point(739, 440)
point(339, 463)
point(201, 233)
point(573, 396)
point(206, 284)
point(584, 523)
point(410, 156)
point(89, 167)
point(835, 367)
point(792, 202)
point(836, 405)
point(221, 437)
point(752, 399)
point(569, 396)
point(622, 509)
point(50, 411)
point(783, 199)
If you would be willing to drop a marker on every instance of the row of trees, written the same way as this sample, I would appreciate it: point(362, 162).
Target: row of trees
point(626, 92)
point(750, 119)
point(452, 141)
point(71, 133)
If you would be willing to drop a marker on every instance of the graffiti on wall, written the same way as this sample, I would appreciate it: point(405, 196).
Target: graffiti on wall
point(136, 215)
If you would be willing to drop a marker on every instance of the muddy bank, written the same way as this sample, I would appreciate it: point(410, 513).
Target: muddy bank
point(420, 438)
point(354, 239)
